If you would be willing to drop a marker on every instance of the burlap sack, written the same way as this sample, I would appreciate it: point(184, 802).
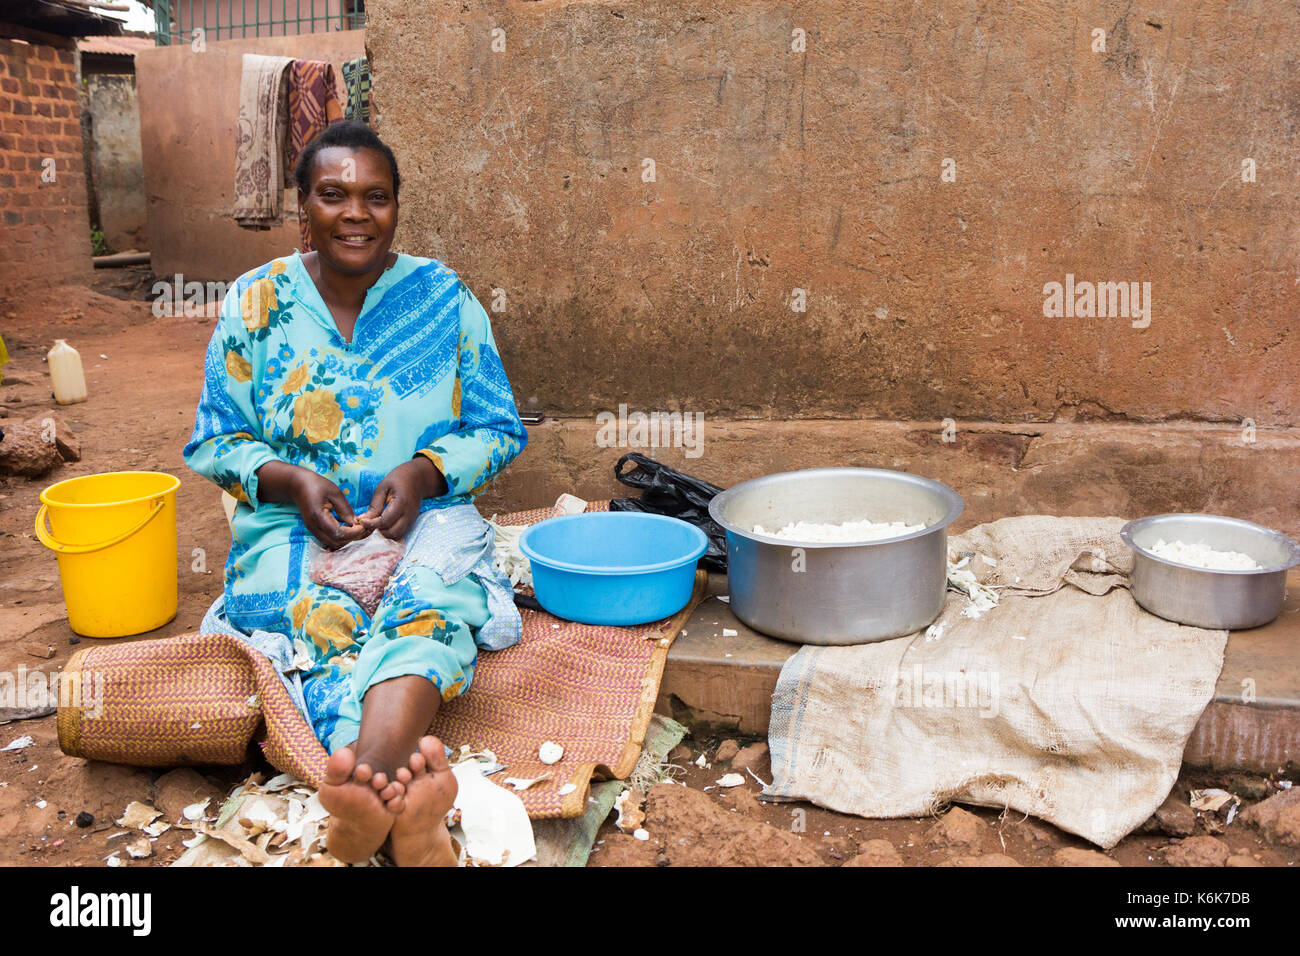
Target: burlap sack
point(1069, 703)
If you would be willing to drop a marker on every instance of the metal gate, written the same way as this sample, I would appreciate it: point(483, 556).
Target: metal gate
point(232, 19)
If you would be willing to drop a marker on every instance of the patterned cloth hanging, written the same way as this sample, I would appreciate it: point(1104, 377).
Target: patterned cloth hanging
point(260, 136)
point(356, 76)
point(313, 105)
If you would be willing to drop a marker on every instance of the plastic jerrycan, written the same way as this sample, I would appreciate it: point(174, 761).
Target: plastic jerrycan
point(65, 371)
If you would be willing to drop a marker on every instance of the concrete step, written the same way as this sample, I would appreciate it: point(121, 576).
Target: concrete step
point(725, 684)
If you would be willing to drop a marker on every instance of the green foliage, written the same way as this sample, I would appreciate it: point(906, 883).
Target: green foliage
point(98, 247)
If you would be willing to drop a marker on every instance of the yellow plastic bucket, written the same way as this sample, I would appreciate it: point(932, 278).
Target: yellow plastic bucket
point(115, 537)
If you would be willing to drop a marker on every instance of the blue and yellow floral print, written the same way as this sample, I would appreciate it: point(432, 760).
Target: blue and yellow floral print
point(420, 376)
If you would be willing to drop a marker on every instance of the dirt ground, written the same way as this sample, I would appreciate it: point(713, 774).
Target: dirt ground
point(694, 826)
point(144, 375)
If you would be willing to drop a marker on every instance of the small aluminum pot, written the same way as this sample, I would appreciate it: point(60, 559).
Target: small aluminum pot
point(1232, 600)
point(819, 593)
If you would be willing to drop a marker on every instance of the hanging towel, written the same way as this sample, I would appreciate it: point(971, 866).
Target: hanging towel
point(260, 137)
point(313, 105)
point(356, 76)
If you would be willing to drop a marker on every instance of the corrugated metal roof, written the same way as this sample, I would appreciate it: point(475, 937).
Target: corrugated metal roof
point(115, 46)
point(59, 17)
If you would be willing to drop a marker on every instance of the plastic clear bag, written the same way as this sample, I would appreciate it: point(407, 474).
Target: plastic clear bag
point(361, 569)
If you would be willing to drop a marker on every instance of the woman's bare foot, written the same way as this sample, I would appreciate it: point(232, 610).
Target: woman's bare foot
point(419, 836)
point(395, 713)
point(391, 792)
point(359, 819)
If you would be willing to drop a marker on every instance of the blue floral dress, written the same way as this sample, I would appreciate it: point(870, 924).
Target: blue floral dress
point(421, 376)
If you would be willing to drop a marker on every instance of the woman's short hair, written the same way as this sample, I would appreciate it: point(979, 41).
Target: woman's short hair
point(352, 134)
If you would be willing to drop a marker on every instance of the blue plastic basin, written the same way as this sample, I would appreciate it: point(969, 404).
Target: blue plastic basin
point(613, 567)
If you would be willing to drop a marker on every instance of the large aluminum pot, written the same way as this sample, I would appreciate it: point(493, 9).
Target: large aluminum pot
point(1231, 600)
point(837, 593)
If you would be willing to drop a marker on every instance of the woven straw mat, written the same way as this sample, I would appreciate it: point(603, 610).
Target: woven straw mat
point(202, 698)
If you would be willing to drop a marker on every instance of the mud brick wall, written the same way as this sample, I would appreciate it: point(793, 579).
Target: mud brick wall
point(189, 104)
point(920, 173)
point(44, 223)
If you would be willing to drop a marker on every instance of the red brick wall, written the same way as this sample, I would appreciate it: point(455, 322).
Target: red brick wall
point(44, 226)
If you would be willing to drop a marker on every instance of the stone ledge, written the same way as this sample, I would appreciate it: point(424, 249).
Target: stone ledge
point(712, 683)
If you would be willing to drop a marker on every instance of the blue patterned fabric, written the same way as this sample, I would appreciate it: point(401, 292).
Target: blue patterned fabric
point(277, 648)
point(458, 542)
point(420, 376)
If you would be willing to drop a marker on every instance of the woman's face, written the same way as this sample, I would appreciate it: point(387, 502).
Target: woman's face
point(351, 208)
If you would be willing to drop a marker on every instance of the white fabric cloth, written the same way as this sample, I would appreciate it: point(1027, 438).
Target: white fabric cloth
point(1067, 701)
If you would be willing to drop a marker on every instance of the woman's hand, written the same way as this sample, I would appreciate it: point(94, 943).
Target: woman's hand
point(396, 502)
point(323, 505)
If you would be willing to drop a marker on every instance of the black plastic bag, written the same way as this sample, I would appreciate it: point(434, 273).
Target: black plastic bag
point(666, 491)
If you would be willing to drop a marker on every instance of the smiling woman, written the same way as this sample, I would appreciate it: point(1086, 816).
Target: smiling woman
point(347, 184)
point(348, 391)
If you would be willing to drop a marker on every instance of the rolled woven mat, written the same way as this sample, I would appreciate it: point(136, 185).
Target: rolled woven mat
point(203, 698)
point(193, 699)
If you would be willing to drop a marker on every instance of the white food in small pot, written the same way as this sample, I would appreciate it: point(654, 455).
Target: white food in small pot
point(1201, 555)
